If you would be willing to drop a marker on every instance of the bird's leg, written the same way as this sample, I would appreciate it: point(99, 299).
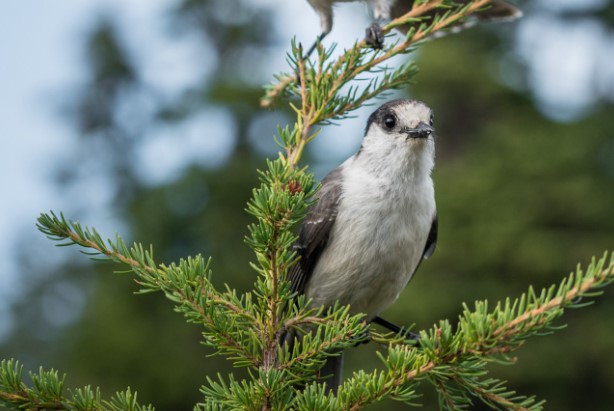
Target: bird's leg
point(374, 36)
point(381, 13)
point(363, 338)
point(397, 330)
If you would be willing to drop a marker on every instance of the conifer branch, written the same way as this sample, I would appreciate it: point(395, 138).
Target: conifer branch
point(186, 284)
point(47, 393)
point(351, 60)
point(481, 337)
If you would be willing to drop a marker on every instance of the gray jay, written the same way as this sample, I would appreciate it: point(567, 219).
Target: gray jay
point(385, 10)
point(374, 219)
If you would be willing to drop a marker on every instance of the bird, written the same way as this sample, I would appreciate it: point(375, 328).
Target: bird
point(386, 10)
point(372, 221)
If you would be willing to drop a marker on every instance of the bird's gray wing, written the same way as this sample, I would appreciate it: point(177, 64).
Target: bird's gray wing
point(431, 240)
point(430, 245)
point(498, 10)
point(316, 230)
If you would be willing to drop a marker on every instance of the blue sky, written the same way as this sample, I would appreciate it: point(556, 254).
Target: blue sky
point(39, 58)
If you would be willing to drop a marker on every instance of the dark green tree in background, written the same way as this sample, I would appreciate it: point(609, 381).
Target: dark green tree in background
point(521, 199)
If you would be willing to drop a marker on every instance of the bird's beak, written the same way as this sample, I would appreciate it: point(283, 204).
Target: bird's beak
point(422, 131)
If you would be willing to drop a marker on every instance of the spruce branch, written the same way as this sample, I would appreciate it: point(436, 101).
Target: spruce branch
point(47, 393)
point(455, 361)
point(228, 319)
point(352, 63)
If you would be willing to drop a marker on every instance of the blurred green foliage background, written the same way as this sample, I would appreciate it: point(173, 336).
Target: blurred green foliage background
point(522, 199)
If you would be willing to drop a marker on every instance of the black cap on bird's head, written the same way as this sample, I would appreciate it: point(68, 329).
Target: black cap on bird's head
point(411, 118)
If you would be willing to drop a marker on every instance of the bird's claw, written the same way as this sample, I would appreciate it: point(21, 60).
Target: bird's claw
point(374, 36)
point(363, 338)
point(401, 331)
point(408, 335)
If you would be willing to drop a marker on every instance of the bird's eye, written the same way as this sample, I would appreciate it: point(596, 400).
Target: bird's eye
point(431, 120)
point(390, 121)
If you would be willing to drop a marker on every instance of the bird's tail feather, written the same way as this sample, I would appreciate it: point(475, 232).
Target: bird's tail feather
point(331, 372)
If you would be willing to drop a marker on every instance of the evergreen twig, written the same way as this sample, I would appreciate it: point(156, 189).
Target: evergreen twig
point(47, 393)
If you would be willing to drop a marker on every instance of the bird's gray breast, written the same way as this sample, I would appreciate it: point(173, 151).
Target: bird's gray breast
point(376, 243)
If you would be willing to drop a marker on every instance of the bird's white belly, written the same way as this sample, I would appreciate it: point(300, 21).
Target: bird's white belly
point(374, 247)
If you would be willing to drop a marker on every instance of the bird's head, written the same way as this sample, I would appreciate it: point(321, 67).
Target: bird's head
point(401, 119)
point(400, 131)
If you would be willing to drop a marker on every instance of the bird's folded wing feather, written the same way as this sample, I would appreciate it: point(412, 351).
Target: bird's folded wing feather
point(431, 240)
point(316, 230)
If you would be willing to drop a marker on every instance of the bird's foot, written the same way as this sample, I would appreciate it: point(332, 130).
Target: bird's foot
point(405, 333)
point(408, 335)
point(374, 36)
point(363, 338)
